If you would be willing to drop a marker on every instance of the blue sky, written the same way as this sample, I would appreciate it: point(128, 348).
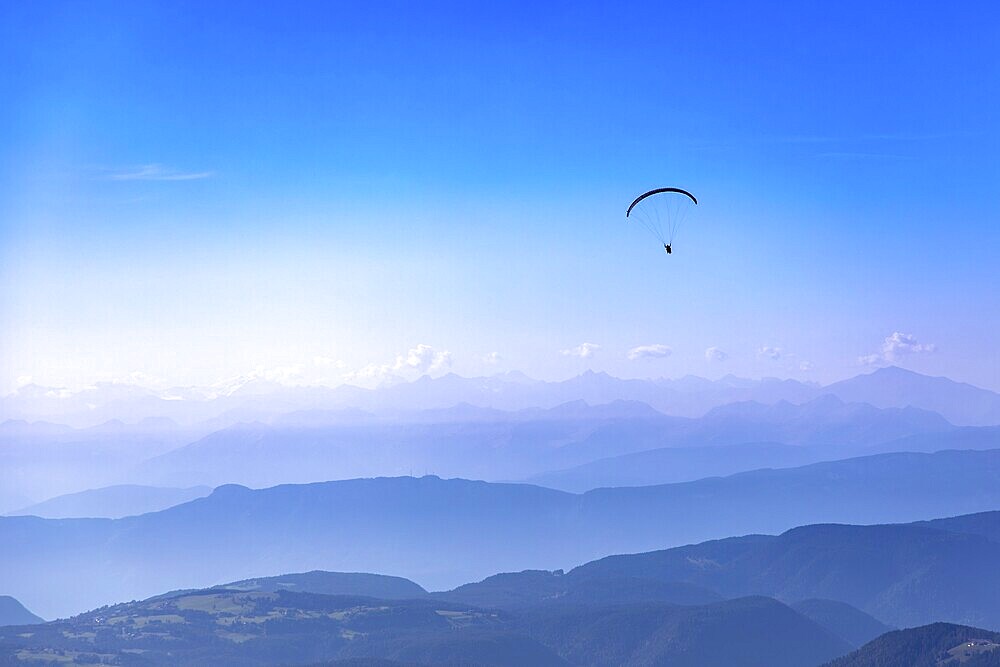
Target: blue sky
point(309, 190)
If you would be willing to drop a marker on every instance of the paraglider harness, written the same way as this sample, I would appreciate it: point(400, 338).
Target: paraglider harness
point(666, 246)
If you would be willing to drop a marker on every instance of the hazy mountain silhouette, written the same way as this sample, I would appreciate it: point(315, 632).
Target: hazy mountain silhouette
point(849, 623)
point(442, 532)
point(42, 460)
point(13, 612)
point(463, 441)
point(112, 502)
point(677, 464)
point(473, 443)
point(967, 437)
point(822, 421)
point(668, 465)
point(503, 427)
point(958, 402)
point(902, 574)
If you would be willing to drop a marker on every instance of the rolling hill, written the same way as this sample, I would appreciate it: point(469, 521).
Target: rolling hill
point(223, 627)
point(934, 645)
point(334, 583)
point(537, 588)
point(258, 628)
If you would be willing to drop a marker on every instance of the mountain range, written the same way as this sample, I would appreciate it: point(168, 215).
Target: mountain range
point(254, 398)
point(263, 434)
point(442, 532)
point(515, 445)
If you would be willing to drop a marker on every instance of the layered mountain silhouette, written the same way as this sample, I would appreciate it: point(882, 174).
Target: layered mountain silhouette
point(442, 532)
point(42, 460)
point(500, 445)
point(864, 505)
point(505, 427)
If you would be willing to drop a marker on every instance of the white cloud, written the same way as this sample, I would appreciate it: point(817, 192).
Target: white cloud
point(715, 354)
point(282, 374)
point(370, 372)
point(146, 380)
point(583, 350)
point(492, 358)
point(287, 375)
point(423, 359)
point(23, 380)
point(896, 346)
point(328, 362)
point(773, 353)
point(419, 360)
point(655, 351)
point(901, 344)
point(870, 359)
point(806, 366)
point(156, 172)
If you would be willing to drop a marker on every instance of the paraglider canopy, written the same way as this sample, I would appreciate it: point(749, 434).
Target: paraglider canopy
point(661, 211)
point(656, 192)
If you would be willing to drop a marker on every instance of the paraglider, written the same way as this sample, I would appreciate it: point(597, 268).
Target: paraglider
point(662, 211)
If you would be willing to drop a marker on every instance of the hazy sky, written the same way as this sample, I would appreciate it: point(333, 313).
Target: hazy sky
point(191, 191)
